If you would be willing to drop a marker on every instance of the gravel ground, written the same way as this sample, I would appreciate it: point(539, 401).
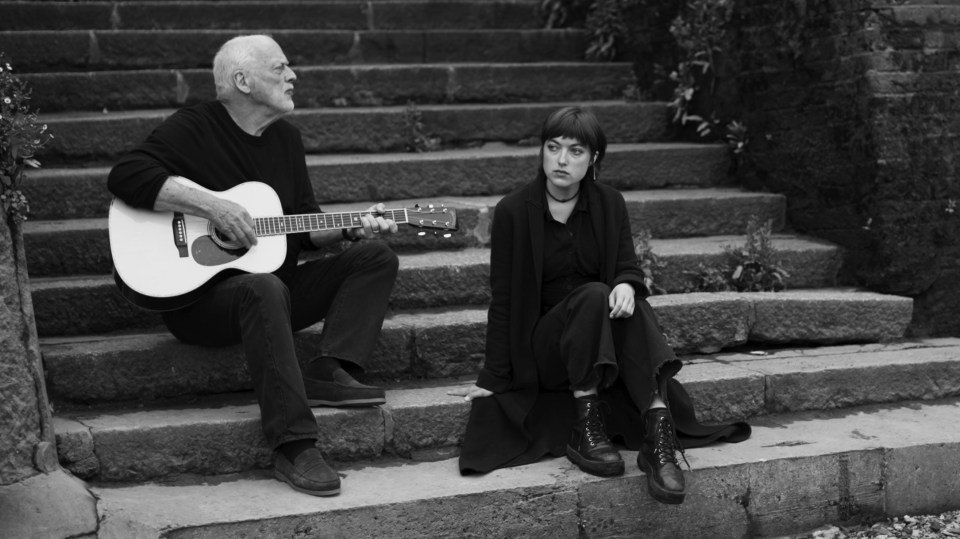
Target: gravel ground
point(946, 525)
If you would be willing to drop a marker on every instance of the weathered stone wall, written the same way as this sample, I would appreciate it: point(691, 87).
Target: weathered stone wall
point(23, 427)
point(854, 112)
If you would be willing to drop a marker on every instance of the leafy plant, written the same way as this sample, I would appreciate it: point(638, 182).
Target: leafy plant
point(708, 279)
point(564, 13)
point(417, 140)
point(21, 136)
point(754, 267)
point(608, 30)
point(649, 262)
point(699, 30)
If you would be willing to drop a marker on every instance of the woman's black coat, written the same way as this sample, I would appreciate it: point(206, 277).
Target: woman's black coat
point(521, 423)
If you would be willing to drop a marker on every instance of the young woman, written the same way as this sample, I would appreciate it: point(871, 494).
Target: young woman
point(569, 331)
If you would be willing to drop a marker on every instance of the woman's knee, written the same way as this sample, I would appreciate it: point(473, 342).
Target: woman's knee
point(595, 291)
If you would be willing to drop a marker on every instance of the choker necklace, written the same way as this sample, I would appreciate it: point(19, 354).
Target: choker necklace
point(549, 194)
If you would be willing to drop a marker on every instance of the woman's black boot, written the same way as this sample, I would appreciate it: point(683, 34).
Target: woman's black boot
point(657, 457)
point(589, 447)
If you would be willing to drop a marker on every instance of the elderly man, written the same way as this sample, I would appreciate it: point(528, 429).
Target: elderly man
point(241, 137)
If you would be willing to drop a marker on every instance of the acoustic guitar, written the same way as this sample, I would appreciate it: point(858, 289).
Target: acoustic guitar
point(166, 260)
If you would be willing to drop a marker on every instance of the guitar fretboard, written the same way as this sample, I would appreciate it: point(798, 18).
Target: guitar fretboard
point(310, 222)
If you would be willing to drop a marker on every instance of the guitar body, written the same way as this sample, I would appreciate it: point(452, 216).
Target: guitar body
point(166, 260)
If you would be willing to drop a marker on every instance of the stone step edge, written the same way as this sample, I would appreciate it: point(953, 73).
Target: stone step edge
point(481, 203)
point(491, 150)
point(368, 129)
point(692, 322)
point(495, 167)
point(371, 15)
point(796, 472)
point(811, 262)
point(125, 444)
point(339, 85)
point(160, 113)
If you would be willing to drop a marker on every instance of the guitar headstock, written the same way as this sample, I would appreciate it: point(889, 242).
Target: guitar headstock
point(436, 218)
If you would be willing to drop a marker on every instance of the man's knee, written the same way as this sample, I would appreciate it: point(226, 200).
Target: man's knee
point(377, 254)
point(264, 287)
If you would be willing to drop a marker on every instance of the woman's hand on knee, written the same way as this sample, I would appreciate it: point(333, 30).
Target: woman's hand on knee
point(622, 301)
point(473, 391)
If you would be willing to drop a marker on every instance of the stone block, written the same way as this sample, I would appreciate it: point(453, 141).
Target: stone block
point(704, 322)
point(141, 367)
point(100, 136)
point(449, 344)
point(248, 16)
point(425, 419)
point(703, 212)
point(63, 308)
point(461, 285)
point(922, 479)
point(48, 505)
point(503, 46)
point(351, 434)
point(75, 448)
point(828, 317)
point(47, 50)
point(443, 16)
point(722, 393)
point(818, 383)
point(66, 194)
point(167, 444)
point(554, 82)
point(622, 507)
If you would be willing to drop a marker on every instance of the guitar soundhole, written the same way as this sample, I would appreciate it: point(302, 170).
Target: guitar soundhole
point(207, 251)
point(221, 240)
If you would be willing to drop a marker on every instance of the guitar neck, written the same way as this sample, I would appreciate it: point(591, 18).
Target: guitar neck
point(312, 222)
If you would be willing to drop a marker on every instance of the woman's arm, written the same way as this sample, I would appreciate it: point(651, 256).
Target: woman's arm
point(496, 374)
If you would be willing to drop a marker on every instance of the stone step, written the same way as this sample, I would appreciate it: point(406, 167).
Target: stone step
point(82, 137)
point(81, 246)
point(491, 169)
point(438, 343)
point(338, 86)
point(90, 303)
point(222, 435)
point(275, 15)
point(99, 50)
point(797, 472)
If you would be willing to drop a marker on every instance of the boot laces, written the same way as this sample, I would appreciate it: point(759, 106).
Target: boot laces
point(593, 425)
point(666, 444)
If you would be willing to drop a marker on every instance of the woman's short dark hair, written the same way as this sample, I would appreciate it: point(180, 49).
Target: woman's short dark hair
point(576, 123)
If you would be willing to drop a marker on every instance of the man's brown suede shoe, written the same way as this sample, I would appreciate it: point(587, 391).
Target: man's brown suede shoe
point(308, 473)
point(342, 390)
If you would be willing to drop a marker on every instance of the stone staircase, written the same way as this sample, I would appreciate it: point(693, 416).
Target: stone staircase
point(849, 417)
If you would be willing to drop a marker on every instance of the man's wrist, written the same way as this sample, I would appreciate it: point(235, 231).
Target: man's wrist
point(348, 235)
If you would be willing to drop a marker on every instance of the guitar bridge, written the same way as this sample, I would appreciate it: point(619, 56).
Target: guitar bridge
point(180, 234)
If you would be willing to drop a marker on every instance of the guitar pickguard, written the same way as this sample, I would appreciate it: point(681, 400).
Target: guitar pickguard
point(206, 252)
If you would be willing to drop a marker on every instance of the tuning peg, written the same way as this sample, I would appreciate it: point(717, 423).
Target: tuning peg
point(421, 233)
point(448, 235)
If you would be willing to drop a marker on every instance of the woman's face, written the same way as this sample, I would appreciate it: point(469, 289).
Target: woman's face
point(565, 161)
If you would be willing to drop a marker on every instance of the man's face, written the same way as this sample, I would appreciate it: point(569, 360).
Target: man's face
point(271, 79)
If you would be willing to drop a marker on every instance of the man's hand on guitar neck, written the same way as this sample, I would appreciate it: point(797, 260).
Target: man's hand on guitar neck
point(374, 224)
point(230, 218)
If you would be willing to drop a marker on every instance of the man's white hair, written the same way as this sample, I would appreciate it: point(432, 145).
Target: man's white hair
point(237, 54)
